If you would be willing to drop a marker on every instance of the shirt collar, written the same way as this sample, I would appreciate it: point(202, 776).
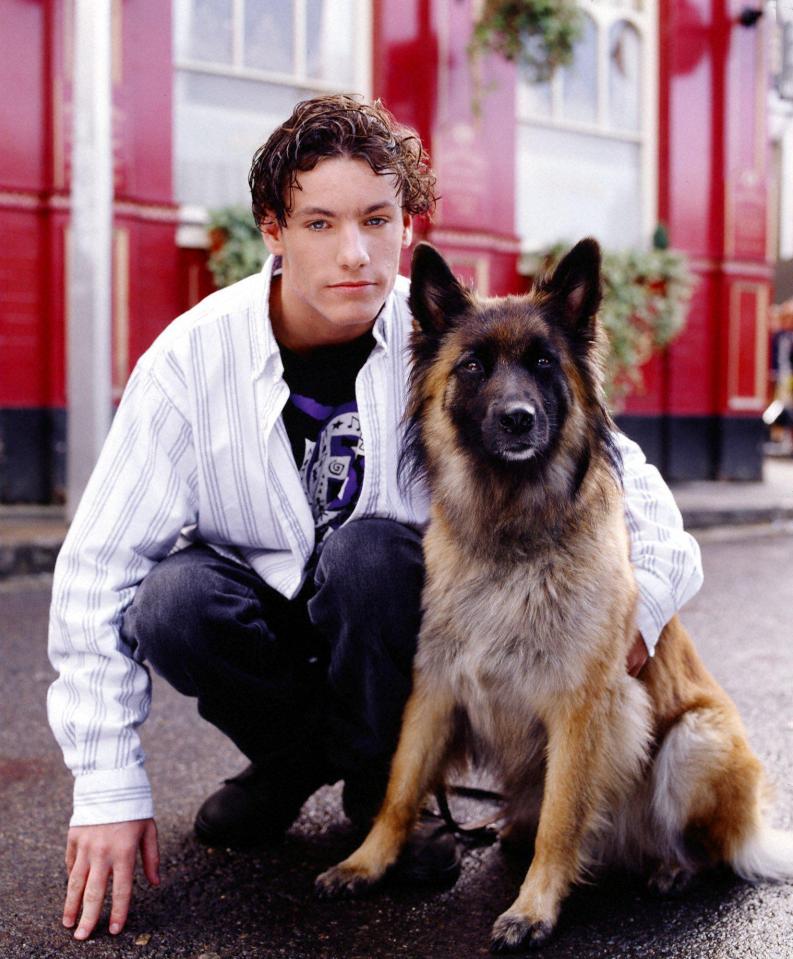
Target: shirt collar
point(267, 346)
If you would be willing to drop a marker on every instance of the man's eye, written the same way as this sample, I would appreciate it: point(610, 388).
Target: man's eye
point(376, 221)
point(317, 225)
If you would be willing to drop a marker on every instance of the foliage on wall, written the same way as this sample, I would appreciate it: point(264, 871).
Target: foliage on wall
point(646, 294)
point(537, 34)
point(236, 247)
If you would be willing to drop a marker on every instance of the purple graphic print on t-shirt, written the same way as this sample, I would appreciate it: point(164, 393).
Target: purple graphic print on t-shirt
point(333, 465)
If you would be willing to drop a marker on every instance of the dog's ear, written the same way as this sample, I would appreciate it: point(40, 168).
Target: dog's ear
point(437, 299)
point(576, 285)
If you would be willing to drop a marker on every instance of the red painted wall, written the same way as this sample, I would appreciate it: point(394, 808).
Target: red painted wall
point(23, 75)
point(713, 183)
point(35, 125)
point(423, 74)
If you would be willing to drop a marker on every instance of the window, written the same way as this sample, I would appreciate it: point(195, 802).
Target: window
point(241, 65)
point(586, 140)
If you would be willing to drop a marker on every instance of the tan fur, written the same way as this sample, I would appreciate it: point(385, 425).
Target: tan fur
point(528, 616)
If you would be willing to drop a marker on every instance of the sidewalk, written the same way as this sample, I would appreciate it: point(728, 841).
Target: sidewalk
point(30, 536)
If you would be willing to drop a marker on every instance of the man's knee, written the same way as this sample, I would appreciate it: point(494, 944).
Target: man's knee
point(169, 594)
point(174, 617)
point(373, 557)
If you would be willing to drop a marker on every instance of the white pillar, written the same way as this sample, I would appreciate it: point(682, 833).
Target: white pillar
point(90, 247)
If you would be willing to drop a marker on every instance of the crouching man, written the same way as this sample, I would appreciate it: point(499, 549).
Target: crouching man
point(244, 533)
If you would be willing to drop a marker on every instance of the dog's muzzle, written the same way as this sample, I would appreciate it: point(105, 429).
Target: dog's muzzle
point(512, 430)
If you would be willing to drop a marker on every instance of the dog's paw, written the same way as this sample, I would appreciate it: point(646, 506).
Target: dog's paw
point(342, 882)
point(512, 932)
point(670, 880)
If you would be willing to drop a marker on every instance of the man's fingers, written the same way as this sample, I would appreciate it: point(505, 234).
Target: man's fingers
point(93, 898)
point(71, 854)
point(93, 854)
point(122, 895)
point(637, 655)
point(150, 853)
point(74, 892)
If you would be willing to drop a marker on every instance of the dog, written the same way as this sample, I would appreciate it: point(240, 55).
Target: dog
point(528, 616)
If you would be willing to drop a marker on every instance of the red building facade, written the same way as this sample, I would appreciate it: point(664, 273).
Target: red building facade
point(699, 415)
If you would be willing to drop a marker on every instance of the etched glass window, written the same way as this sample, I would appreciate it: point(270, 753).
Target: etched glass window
point(625, 56)
point(269, 35)
point(586, 144)
point(241, 66)
point(580, 79)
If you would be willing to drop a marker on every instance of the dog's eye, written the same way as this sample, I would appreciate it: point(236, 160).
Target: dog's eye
point(543, 362)
point(472, 365)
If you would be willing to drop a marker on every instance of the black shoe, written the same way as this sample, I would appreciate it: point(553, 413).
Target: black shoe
point(431, 855)
point(255, 807)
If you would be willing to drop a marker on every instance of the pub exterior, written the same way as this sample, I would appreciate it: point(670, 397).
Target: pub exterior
point(661, 119)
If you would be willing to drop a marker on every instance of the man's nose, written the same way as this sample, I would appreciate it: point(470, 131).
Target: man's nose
point(352, 253)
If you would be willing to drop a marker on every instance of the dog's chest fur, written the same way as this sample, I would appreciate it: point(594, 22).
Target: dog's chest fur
point(508, 638)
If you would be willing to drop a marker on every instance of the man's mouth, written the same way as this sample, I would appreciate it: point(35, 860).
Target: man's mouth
point(352, 285)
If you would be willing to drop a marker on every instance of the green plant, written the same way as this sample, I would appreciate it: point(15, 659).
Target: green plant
point(538, 34)
point(236, 247)
point(646, 294)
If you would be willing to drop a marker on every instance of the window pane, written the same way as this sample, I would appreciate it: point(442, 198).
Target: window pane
point(575, 184)
point(534, 99)
point(330, 40)
point(580, 79)
point(219, 123)
point(269, 35)
point(625, 54)
point(204, 30)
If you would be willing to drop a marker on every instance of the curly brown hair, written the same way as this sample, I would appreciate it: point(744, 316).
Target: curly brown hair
point(338, 126)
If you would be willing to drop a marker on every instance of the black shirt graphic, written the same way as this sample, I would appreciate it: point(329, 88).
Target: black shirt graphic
point(321, 420)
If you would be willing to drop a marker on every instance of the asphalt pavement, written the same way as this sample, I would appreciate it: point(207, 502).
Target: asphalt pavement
point(219, 904)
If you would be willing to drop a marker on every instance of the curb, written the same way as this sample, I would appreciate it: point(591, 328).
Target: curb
point(694, 518)
point(25, 558)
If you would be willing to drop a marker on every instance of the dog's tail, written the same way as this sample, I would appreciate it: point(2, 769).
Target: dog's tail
point(706, 773)
point(765, 854)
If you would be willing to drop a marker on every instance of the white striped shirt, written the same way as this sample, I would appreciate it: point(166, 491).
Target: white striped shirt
point(198, 445)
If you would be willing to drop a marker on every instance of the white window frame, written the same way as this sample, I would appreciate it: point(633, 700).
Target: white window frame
point(191, 231)
point(299, 78)
point(604, 14)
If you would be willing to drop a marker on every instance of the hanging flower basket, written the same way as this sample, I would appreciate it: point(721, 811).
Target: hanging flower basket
point(539, 35)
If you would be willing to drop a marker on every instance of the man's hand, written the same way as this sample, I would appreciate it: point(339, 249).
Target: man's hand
point(93, 855)
point(637, 656)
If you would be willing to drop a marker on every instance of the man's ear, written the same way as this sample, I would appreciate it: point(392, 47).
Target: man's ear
point(576, 285)
point(271, 230)
point(437, 299)
point(407, 229)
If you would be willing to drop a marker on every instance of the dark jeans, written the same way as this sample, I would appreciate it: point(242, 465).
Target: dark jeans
point(321, 679)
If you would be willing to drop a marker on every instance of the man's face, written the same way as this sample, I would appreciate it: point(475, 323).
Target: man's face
point(340, 252)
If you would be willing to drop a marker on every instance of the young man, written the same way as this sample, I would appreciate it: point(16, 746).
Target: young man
point(244, 532)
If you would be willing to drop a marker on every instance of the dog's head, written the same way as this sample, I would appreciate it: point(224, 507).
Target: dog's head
point(509, 380)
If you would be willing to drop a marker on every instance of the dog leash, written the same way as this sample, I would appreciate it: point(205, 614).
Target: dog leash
point(478, 833)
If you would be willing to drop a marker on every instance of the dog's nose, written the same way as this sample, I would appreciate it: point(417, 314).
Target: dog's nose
point(517, 418)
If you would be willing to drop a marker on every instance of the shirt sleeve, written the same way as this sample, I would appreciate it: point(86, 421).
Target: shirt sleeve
point(140, 495)
point(666, 559)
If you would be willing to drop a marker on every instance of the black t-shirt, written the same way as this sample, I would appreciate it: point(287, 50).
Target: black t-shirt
point(321, 420)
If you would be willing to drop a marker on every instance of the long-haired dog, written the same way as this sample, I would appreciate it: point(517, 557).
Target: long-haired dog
point(528, 615)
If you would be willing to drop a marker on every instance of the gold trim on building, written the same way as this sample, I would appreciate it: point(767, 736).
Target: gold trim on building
point(756, 401)
point(120, 310)
point(480, 266)
point(116, 42)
